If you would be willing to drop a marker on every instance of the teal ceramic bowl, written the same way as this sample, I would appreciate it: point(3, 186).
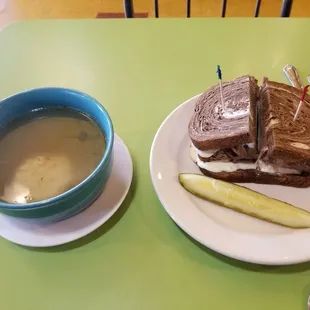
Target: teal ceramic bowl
point(81, 196)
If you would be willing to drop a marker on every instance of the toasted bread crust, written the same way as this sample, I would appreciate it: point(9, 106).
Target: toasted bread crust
point(255, 176)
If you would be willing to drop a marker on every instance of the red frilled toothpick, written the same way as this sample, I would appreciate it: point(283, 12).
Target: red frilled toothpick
point(301, 102)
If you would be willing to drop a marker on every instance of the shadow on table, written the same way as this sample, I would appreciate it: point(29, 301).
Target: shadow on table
point(99, 231)
point(250, 266)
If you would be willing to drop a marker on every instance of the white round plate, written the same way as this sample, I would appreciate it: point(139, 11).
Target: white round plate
point(27, 233)
point(222, 230)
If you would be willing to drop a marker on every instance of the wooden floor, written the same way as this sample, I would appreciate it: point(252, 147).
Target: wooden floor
point(14, 10)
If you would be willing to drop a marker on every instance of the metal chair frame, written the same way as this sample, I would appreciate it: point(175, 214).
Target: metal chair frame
point(285, 9)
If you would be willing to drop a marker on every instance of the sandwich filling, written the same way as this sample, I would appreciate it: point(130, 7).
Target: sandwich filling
point(219, 166)
point(231, 166)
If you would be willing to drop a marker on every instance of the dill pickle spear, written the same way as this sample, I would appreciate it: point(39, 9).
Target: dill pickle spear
point(244, 200)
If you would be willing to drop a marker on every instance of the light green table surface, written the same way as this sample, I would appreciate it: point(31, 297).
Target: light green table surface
point(141, 70)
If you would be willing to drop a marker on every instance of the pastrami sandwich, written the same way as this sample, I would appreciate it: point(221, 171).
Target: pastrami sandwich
point(252, 137)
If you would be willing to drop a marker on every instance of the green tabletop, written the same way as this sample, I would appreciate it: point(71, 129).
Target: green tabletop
point(141, 70)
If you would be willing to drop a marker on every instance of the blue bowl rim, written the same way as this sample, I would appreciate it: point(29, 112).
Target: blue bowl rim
point(108, 152)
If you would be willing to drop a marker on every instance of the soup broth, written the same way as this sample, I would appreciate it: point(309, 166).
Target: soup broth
point(47, 153)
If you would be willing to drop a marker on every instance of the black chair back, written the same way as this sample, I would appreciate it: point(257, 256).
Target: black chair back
point(285, 10)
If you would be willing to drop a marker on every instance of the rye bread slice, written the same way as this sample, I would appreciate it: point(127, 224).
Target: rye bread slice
point(255, 176)
point(213, 126)
point(287, 142)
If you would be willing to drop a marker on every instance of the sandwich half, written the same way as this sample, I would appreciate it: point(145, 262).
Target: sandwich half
point(224, 137)
point(246, 139)
point(284, 144)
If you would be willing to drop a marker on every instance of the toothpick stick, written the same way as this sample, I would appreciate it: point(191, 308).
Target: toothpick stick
point(293, 76)
point(301, 102)
point(219, 74)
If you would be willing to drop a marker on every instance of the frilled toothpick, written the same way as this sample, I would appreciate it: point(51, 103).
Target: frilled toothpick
point(219, 75)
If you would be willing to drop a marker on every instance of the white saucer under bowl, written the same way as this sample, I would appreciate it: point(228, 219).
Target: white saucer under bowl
point(31, 234)
point(225, 231)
